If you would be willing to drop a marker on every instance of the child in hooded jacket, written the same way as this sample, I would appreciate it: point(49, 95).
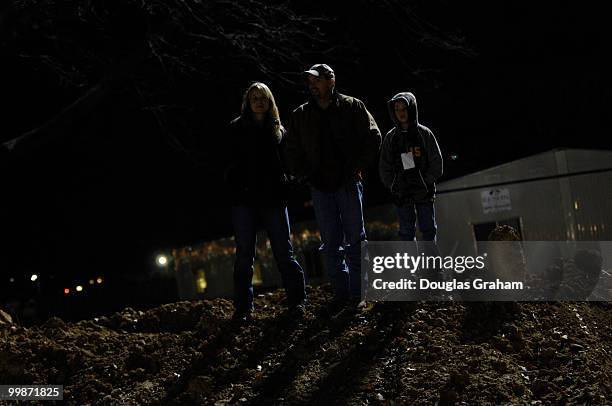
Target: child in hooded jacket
point(410, 164)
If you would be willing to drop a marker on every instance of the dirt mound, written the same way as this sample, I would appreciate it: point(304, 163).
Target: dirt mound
point(385, 353)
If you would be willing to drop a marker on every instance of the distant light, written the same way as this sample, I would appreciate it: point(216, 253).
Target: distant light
point(161, 260)
point(91, 281)
point(66, 291)
point(79, 288)
point(34, 277)
point(99, 280)
point(12, 280)
point(454, 157)
point(201, 282)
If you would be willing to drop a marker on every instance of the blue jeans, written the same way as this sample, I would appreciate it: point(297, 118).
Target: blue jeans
point(340, 218)
point(408, 215)
point(276, 222)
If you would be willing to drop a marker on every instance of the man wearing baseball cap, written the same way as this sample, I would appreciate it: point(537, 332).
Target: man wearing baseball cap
point(331, 140)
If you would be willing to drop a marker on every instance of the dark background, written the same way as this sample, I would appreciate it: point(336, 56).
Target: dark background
point(134, 167)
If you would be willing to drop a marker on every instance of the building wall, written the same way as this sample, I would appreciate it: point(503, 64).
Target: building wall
point(538, 205)
point(592, 206)
point(576, 207)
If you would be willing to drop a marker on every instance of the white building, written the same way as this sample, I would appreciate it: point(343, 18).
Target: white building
point(563, 194)
point(559, 195)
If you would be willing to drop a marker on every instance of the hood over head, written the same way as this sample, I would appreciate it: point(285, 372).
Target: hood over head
point(410, 100)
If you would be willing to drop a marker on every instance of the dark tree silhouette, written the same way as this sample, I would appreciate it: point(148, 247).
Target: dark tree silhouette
point(160, 49)
point(153, 46)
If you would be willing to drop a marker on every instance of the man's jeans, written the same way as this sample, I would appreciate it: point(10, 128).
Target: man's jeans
point(276, 222)
point(425, 214)
point(340, 218)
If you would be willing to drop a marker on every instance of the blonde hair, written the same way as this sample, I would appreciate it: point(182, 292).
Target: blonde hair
point(273, 116)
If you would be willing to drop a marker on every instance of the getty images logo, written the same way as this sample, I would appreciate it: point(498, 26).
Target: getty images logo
point(412, 263)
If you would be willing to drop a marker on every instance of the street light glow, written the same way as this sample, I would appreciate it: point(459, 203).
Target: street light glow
point(99, 280)
point(79, 288)
point(66, 291)
point(33, 278)
point(162, 260)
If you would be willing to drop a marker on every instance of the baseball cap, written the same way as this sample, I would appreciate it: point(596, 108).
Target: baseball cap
point(320, 69)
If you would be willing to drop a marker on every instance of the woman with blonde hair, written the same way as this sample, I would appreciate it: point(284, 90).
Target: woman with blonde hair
point(257, 183)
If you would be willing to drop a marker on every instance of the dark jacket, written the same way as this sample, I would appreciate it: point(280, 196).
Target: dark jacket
point(328, 147)
point(415, 185)
point(254, 172)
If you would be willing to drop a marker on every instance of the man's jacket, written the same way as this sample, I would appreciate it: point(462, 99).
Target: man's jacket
point(415, 185)
point(329, 147)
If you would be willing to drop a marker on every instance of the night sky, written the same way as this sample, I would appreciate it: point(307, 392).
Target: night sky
point(103, 191)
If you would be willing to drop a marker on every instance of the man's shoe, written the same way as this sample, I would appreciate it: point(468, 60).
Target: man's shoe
point(360, 305)
point(355, 304)
point(297, 311)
